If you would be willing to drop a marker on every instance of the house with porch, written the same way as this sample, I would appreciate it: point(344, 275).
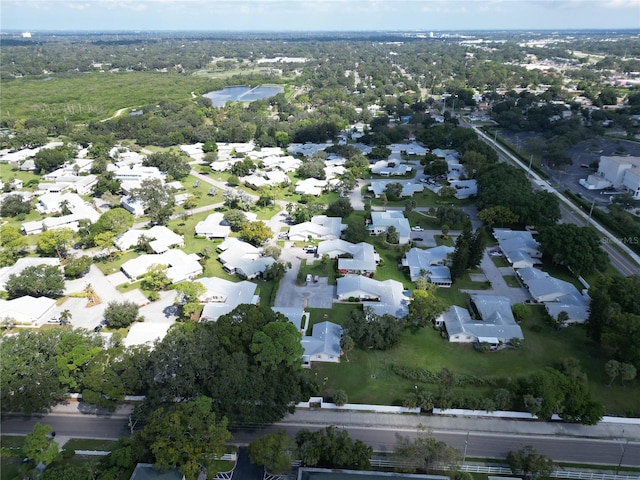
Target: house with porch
point(388, 296)
point(160, 239)
point(419, 261)
point(320, 227)
point(381, 221)
point(222, 296)
point(180, 266)
point(323, 345)
point(214, 226)
point(353, 258)
point(519, 247)
point(243, 259)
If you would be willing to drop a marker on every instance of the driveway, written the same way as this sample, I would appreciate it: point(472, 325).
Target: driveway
point(162, 310)
point(290, 294)
point(498, 286)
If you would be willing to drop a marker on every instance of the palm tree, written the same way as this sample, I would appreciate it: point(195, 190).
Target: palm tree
point(65, 317)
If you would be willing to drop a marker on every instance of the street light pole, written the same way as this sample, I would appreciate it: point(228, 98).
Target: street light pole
point(466, 443)
point(624, 449)
point(590, 212)
point(530, 162)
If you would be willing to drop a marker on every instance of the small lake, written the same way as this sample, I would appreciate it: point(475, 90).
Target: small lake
point(243, 94)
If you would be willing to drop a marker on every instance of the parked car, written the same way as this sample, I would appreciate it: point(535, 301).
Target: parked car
point(316, 278)
point(418, 239)
point(416, 228)
point(309, 278)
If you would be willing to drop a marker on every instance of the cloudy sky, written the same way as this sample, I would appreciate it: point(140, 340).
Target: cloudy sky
point(331, 15)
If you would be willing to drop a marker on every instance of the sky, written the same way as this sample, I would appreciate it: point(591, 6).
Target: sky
point(316, 15)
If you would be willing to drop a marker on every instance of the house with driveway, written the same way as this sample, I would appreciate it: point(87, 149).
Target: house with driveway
point(353, 258)
point(420, 261)
point(519, 247)
point(381, 221)
point(320, 227)
point(180, 266)
point(492, 322)
point(160, 239)
point(243, 259)
point(388, 296)
point(28, 310)
point(22, 263)
point(378, 187)
point(222, 296)
point(214, 226)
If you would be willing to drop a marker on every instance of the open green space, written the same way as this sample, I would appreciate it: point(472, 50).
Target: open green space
point(368, 377)
point(11, 441)
point(511, 281)
point(11, 468)
point(91, 444)
point(317, 267)
point(92, 96)
point(337, 314)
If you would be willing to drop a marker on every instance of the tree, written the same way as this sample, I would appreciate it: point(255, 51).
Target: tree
point(275, 271)
point(77, 267)
point(173, 165)
point(332, 448)
point(187, 436)
point(425, 305)
point(445, 231)
point(423, 452)
point(14, 205)
point(273, 251)
point(256, 233)
point(628, 372)
point(447, 193)
point(37, 281)
point(275, 451)
point(312, 169)
point(498, 215)
point(49, 159)
point(371, 331)
point(237, 199)
point(117, 221)
point(65, 317)
point(476, 249)
point(340, 208)
point(121, 315)
point(277, 343)
point(340, 398)
point(156, 278)
point(460, 256)
point(393, 191)
point(576, 247)
point(236, 219)
point(209, 146)
point(14, 245)
point(188, 298)
point(56, 242)
point(40, 446)
point(392, 235)
point(356, 231)
point(346, 345)
point(157, 198)
point(528, 463)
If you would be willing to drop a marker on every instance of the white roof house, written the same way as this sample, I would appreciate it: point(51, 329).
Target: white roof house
point(388, 296)
point(181, 266)
point(323, 345)
point(519, 247)
point(137, 173)
point(135, 207)
point(222, 296)
point(496, 323)
point(243, 258)
point(381, 221)
point(146, 333)
point(53, 203)
point(311, 186)
point(214, 226)
point(388, 168)
point(306, 149)
point(409, 188)
point(28, 310)
point(21, 264)
point(363, 258)
point(320, 227)
point(418, 260)
point(162, 239)
point(285, 163)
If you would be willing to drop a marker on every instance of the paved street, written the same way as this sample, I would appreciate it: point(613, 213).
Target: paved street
point(498, 284)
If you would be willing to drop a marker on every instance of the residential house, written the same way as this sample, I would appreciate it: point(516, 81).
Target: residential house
point(306, 149)
point(323, 345)
point(51, 203)
point(137, 173)
point(180, 266)
point(243, 259)
point(518, 247)
point(146, 333)
point(295, 316)
point(28, 310)
point(160, 239)
point(495, 325)
point(146, 471)
point(378, 187)
point(311, 186)
point(214, 226)
point(557, 295)
point(420, 261)
point(222, 296)
point(320, 227)
point(135, 207)
point(358, 258)
point(387, 296)
point(386, 168)
point(82, 184)
point(381, 221)
point(464, 188)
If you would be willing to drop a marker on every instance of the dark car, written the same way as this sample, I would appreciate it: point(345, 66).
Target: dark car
point(418, 239)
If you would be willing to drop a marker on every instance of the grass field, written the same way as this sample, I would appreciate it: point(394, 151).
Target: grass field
point(91, 444)
point(368, 378)
point(93, 96)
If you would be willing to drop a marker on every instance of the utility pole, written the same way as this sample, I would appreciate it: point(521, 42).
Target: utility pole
point(530, 162)
point(590, 212)
point(624, 449)
point(466, 443)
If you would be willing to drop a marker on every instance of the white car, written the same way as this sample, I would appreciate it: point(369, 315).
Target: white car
point(416, 229)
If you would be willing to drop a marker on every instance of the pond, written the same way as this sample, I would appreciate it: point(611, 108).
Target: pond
point(242, 93)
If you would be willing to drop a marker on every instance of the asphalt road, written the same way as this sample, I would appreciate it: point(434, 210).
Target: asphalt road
point(478, 444)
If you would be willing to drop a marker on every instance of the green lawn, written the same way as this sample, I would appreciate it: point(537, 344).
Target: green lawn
point(368, 378)
point(91, 444)
point(11, 468)
point(112, 266)
point(316, 267)
point(499, 261)
point(512, 281)
point(337, 314)
point(11, 441)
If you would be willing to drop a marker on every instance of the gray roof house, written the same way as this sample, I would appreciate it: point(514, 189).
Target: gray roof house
point(495, 325)
point(381, 221)
point(323, 345)
point(320, 227)
point(409, 188)
point(363, 259)
point(418, 259)
point(464, 188)
point(293, 314)
point(519, 247)
point(222, 296)
point(243, 258)
point(557, 295)
point(388, 296)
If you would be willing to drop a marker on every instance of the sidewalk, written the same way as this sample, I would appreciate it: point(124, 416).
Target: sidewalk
point(449, 423)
